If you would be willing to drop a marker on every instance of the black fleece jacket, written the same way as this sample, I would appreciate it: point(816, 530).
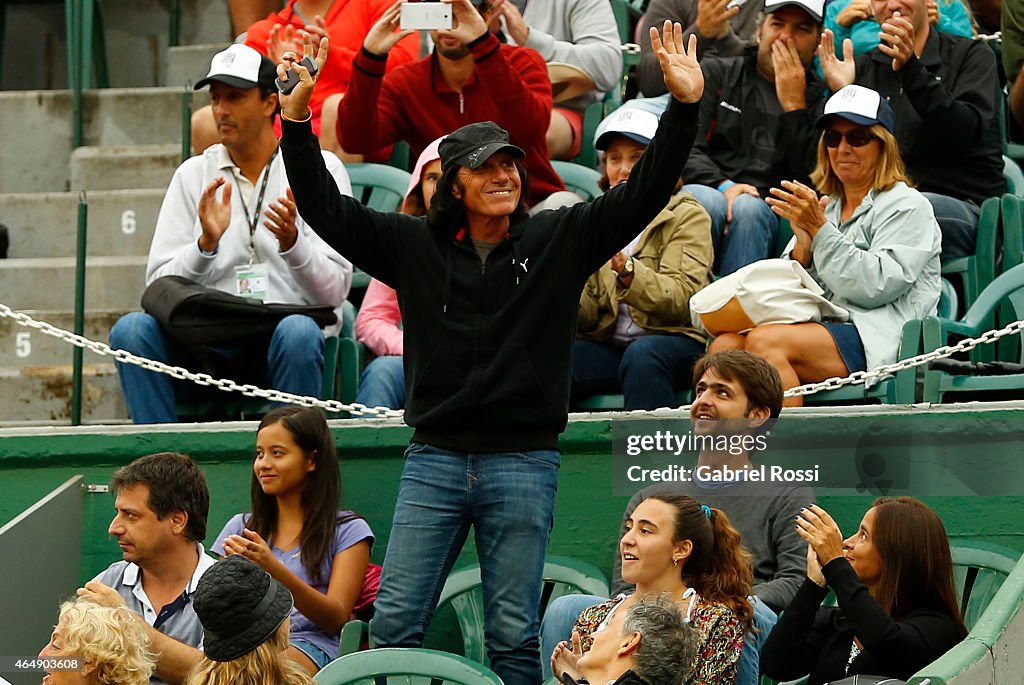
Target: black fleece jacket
point(744, 135)
point(487, 344)
point(946, 104)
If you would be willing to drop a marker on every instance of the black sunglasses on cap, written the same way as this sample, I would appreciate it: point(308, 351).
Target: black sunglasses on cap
point(858, 137)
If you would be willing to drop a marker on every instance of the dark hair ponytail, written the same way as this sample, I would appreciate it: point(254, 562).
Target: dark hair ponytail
point(719, 567)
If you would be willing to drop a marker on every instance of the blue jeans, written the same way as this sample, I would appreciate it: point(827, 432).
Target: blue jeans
point(750, 658)
point(958, 222)
point(751, 233)
point(559, 618)
point(293, 361)
point(647, 371)
point(509, 499)
point(383, 383)
point(562, 613)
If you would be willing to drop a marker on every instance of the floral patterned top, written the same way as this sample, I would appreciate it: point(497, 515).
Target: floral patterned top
point(718, 649)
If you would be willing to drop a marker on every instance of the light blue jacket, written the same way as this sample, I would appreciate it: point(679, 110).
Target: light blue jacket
point(882, 265)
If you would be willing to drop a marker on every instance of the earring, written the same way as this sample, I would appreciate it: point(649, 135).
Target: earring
point(675, 562)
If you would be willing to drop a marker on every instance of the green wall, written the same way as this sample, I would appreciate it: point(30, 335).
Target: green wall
point(32, 462)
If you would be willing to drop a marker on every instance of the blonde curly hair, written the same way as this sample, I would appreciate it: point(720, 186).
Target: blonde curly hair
point(111, 640)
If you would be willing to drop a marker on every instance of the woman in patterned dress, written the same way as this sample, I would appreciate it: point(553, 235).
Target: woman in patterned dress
point(674, 544)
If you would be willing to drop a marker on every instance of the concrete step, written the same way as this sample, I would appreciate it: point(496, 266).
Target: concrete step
point(21, 346)
point(189, 63)
point(49, 284)
point(45, 225)
point(137, 33)
point(114, 116)
point(43, 393)
point(124, 166)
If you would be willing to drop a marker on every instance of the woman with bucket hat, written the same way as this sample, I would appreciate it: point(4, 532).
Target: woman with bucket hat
point(244, 612)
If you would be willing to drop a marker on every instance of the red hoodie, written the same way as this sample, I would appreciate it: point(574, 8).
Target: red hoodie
point(413, 103)
point(348, 22)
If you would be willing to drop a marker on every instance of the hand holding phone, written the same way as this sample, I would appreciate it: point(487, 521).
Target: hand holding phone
point(425, 15)
point(288, 86)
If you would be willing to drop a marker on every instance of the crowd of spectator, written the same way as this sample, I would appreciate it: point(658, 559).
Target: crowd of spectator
point(533, 68)
point(870, 126)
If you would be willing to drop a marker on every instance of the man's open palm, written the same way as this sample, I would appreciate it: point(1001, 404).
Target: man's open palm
point(679, 65)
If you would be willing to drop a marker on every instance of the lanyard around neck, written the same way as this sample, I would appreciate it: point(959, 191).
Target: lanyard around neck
point(252, 220)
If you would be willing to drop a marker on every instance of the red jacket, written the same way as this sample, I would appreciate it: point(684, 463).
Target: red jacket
point(413, 103)
point(348, 22)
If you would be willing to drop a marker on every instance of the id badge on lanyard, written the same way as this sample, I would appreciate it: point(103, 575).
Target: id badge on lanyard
point(253, 279)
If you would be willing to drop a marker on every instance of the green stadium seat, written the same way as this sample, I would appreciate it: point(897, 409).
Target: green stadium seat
point(1008, 289)
point(979, 569)
point(580, 179)
point(976, 271)
point(405, 665)
point(562, 576)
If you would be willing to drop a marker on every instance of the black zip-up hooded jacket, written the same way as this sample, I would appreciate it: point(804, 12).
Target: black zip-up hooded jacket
point(487, 344)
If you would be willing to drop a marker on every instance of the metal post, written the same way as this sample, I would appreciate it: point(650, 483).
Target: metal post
point(174, 34)
point(76, 373)
point(186, 121)
point(73, 14)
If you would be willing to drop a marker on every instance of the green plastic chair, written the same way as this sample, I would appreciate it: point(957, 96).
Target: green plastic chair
point(1013, 230)
point(1013, 254)
point(562, 576)
point(395, 665)
point(976, 271)
point(1008, 289)
point(627, 13)
point(979, 569)
point(379, 186)
point(355, 635)
point(579, 179)
point(1013, 176)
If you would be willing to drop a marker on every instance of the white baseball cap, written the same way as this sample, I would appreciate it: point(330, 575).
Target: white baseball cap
point(633, 122)
point(860, 105)
point(242, 67)
point(815, 8)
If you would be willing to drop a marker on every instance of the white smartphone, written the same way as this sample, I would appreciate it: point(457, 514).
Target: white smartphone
point(735, 3)
point(426, 15)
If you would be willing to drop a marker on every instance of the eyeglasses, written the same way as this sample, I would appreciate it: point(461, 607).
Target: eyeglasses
point(858, 137)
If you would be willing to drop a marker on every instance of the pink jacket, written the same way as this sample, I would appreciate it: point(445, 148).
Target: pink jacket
point(378, 321)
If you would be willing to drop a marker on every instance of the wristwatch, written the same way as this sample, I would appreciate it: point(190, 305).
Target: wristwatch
point(627, 269)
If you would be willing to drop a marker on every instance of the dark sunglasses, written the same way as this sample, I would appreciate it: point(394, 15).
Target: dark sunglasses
point(858, 137)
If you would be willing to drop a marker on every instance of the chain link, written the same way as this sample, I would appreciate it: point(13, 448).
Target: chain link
point(859, 377)
point(204, 379)
point(228, 385)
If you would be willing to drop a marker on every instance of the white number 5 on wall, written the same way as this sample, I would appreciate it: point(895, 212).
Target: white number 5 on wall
point(23, 344)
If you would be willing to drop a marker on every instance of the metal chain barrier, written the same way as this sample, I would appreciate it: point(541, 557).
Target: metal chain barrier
point(864, 376)
point(198, 378)
point(335, 406)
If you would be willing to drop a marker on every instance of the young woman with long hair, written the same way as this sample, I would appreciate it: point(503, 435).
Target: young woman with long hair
point(675, 545)
point(297, 534)
point(893, 580)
